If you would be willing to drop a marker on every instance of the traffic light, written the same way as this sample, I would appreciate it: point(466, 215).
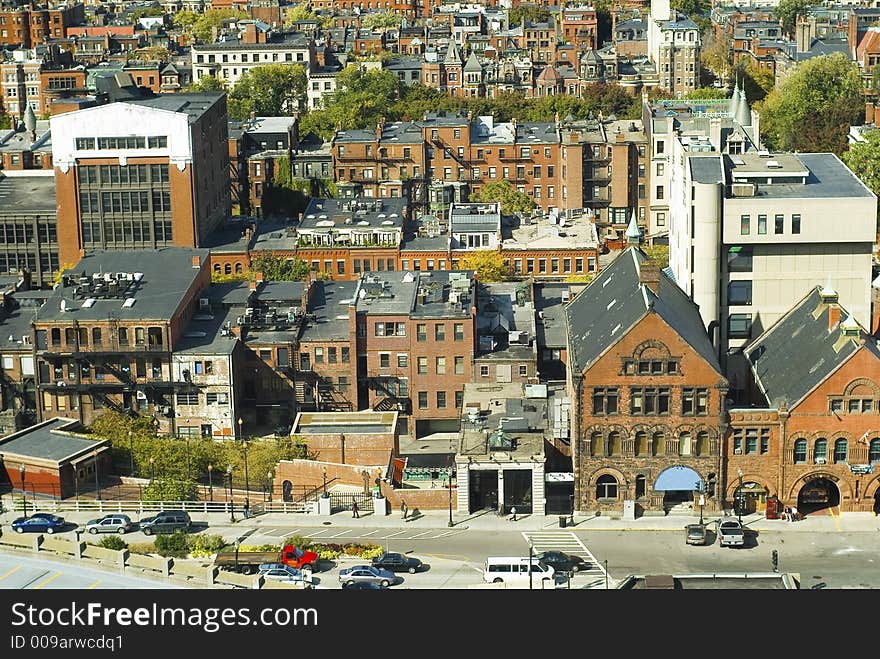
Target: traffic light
point(774, 559)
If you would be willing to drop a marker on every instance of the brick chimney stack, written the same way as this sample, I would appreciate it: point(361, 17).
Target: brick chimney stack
point(196, 262)
point(833, 316)
point(649, 275)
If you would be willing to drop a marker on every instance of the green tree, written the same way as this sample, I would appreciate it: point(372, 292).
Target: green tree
point(205, 23)
point(302, 12)
point(707, 93)
point(690, 7)
point(147, 12)
point(756, 81)
point(528, 12)
point(113, 542)
point(658, 253)
point(170, 489)
point(185, 20)
point(787, 11)
point(863, 158)
point(276, 268)
point(512, 200)
point(270, 90)
point(716, 54)
point(208, 84)
point(285, 196)
point(814, 107)
point(151, 54)
point(382, 19)
point(488, 265)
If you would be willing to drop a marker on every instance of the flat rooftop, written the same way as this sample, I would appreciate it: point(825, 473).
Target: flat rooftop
point(361, 423)
point(27, 194)
point(574, 234)
point(826, 176)
point(48, 441)
point(194, 105)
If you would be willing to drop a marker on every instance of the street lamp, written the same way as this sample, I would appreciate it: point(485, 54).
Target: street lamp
point(531, 554)
point(131, 452)
point(240, 422)
point(247, 485)
point(269, 485)
point(450, 524)
point(210, 482)
point(21, 470)
point(698, 487)
point(324, 475)
point(737, 496)
point(152, 470)
point(97, 486)
point(231, 500)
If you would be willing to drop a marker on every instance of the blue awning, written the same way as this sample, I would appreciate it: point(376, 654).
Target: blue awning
point(678, 478)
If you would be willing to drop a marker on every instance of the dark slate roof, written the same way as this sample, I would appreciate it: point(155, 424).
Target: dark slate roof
point(615, 301)
point(799, 352)
point(42, 442)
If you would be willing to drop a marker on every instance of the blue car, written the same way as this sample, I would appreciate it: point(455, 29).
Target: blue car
point(39, 523)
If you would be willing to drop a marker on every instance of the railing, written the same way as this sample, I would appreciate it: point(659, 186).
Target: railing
point(99, 506)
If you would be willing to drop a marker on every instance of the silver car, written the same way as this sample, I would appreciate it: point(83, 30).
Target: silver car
point(114, 523)
point(366, 573)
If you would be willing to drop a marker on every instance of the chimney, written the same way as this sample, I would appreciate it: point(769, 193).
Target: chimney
point(833, 317)
point(869, 112)
point(802, 36)
point(196, 262)
point(253, 286)
point(649, 275)
point(259, 278)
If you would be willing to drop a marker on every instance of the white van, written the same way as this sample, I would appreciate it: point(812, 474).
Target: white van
point(515, 570)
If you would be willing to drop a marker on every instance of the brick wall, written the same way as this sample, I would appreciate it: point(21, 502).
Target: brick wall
point(352, 449)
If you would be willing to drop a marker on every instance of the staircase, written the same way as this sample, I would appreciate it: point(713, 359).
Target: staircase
point(684, 509)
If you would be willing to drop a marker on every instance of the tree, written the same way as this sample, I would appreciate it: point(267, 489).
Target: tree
point(285, 196)
point(658, 253)
point(185, 20)
point(787, 11)
point(528, 12)
point(276, 268)
point(270, 90)
point(756, 81)
point(488, 265)
point(716, 54)
point(147, 12)
point(707, 93)
point(863, 158)
point(302, 12)
point(204, 24)
point(814, 107)
point(151, 54)
point(512, 200)
point(382, 19)
point(208, 84)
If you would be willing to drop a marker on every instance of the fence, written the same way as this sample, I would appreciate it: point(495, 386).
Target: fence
point(100, 506)
point(344, 500)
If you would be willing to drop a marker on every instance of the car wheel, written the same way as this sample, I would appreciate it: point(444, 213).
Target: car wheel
point(575, 568)
point(93, 531)
point(247, 569)
point(497, 580)
point(349, 584)
point(18, 529)
point(50, 530)
point(120, 530)
point(411, 570)
point(384, 583)
point(148, 531)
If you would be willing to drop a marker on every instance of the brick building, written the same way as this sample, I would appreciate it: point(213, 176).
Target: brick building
point(166, 185)
point(647, 392)
point(28, 26)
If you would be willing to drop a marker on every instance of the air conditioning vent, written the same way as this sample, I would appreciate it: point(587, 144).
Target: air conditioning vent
point(820, 461)
point(738, 451)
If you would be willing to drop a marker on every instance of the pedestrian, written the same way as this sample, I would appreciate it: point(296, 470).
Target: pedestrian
point(794, 514)
point(354, 510)
point(403, 508)
point(246, 509)
point(513, 513)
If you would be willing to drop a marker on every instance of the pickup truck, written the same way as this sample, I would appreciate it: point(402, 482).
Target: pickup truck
point(730, 533)
point(248, 562)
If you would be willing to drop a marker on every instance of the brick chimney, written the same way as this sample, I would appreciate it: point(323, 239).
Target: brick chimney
point(833, 316)
point(253, 286)
point(649, 275)
point(259, 278)
point(196, 262)
point(869, 112)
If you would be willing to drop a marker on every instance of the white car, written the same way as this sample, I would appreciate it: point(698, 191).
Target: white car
point(730, 533)
point(281, 572)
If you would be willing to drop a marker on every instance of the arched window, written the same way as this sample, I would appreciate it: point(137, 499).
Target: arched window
point(684, 443)
point(800, 452)
point(227, 269)
point(606, 487)
point(238, 268)
point(641, 444)
point(640, 486)
point(614, 443)
point(597, 446)
point(840, 450)
point(820, 450)
point(874, 451)
point(658, 446)
point(702, 445)
point(217, 269)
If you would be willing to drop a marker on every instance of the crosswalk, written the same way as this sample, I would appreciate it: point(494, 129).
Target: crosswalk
point(564, 541)
point(342, 535)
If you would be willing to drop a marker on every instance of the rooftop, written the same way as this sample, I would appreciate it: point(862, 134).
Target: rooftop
point(326, 215)
point(437, 294)
point(50, 441)
point(826, 176)
point(27, 194)
point(328, 304)
point(194, 105)
point(361, 423)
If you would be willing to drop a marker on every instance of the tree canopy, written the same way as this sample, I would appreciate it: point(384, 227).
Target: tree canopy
point(787, 11)
point(270, 90)
point(512, 200)
point(528, 12)
point(380, 19)
point(200, 25)
point(863, 158)
point(276, 268)
point(303, 12)
point(488, 265)
point(814, 108)
point(208, 84)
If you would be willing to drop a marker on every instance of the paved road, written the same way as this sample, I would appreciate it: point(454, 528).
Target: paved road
point(19, 572)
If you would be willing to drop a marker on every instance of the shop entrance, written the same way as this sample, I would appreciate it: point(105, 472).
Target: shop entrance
point(752, 498)
point(518, 490)
point(817, 495)
point(483, 490)
point(678, 484)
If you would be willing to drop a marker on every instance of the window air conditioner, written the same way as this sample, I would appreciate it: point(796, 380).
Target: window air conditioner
point(738, 451)
point(820, 461)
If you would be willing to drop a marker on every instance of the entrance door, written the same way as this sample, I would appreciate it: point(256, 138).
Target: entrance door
point(483, 490)
point(817, 495)
point(518, 490)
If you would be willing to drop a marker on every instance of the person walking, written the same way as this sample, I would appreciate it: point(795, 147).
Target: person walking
point(246, 509)
point(513, 513)
point(354, 510)
point(403, 509)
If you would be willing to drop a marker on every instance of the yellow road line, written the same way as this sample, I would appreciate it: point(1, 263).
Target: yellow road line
point(46, 581)
point(834, 519)
point(13, 570)
point(94, 585)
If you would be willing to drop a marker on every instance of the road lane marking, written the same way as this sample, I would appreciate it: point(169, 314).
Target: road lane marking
point(419, 535)
point(834, 519)
point(339, 534)
point(367, 535)
point(94, 585)
point(385, 537)
point(12, 571)
point(443, 535)
point(47, 581)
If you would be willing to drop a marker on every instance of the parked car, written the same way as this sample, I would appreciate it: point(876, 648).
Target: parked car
point(562, 562)
point(730, 533)
point(398, 563)
point(695, 534)
point(366, 573)
point(281, 572)
point(115, 523)
point(362, 585)
point(167, 521)
point(39, 523)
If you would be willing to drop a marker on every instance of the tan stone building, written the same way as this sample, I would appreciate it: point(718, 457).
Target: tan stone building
point(647, 393)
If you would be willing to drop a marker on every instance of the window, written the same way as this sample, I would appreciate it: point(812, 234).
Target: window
point(800, 452)
point(765, 440)
point(604, 400)
point(441, 400)
point(459, 399)
point(459, 365)
point(484, 371)
point(523, 370)
point(649, 400)
point(745, 225)
point(188, 398)
point(384, 360)
point(795, 223)
point(421, 332)
point(739, 259)
point(441, 365)
point(739, 293)
point(820, 451)
point(606, 486)
point(319, 355)
point(684, 443)
point(779, 224)
point(402, 361)
point(458, 332)
point(874, 451)
point(331, 355)
point(346, 355)
point(659, 192)
point(840, 451)
point(422, 368)
point(423, 400)
point(660, 147)
point(762, 225)
point(439, 332)
point(739, 325)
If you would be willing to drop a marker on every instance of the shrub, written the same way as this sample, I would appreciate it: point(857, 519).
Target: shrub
point(142, 548)
point(205, 545)
point(298, 541)
point(113, 542)
point(253, 548)
point(174, 545)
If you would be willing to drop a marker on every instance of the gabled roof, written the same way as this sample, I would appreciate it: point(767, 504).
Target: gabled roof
point(473, 64)
point(453, 55)
point(800, 352)
point(615, 301)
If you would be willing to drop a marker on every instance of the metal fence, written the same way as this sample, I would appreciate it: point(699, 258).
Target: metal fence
point(344, 500)
point(101, 506)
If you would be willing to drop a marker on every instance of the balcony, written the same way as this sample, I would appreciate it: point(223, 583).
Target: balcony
point(105, 348)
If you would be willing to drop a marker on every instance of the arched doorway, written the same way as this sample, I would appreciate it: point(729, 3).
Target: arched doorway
point(678, 484)
point(877, 502)
point(287, 491)
point(818, 494)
